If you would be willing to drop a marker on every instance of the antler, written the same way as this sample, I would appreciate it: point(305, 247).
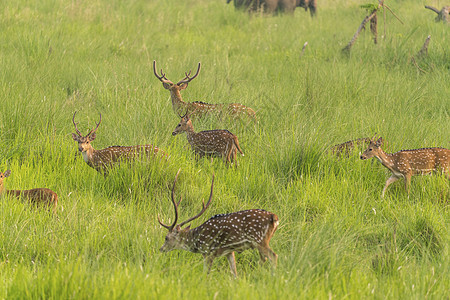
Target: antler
point(185, 114)
point(76, 128)
point(188, 79)
point(374, 137)
point(161, 78)
point(175, 205)
point(203, 204)
point(90, 132)
point(94, 130)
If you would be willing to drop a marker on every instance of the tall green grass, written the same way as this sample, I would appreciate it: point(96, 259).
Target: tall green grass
point(337, 238)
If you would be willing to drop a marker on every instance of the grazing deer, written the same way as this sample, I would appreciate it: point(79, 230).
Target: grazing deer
point(223, 234)
point(209, 142)
point(201, 108)
point(39, 197)
point(102, 160)
point(344, 149)
point(406, 163)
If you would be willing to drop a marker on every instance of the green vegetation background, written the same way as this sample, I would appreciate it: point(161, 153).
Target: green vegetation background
point(336, 239)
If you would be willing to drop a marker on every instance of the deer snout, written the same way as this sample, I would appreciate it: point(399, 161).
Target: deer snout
point(363, 157)
point(174, 133)
point(80, 149)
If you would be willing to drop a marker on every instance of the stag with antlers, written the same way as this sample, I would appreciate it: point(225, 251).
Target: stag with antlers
point(406, 163)
point(222, 234)
point(39, 197)
point(102, 160)
point(209, 142)
point(200, 108)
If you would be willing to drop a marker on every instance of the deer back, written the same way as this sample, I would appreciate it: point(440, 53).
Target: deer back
point(235, 231)
point(419, 161)
point(212, 141)
point(41, 197)
point(108, 156)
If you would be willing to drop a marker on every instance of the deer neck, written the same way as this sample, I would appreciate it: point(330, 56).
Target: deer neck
point(385, 160)
point(190, 133)
point(177, 101)
point(88, 155)
point(4, 191)
point(188, 241)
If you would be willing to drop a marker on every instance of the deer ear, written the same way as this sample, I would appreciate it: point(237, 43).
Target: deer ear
point(75, 137)
point(92, 137)
point(183, 86)
point(166, 85)
point(7, 173)
point(379, 142)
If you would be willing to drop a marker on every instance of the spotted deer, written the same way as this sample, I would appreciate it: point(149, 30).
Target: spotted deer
point(209, 142)
point(102, 160)
point(406, 163)
point(222, 234)
point(345, 149)
point(42, 197)
point(200, 108)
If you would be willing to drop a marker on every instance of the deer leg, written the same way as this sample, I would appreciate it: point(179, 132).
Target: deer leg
point(407, 182)
point(232, 262)
point(390, 180)
point(208, 263)
point(229, 157)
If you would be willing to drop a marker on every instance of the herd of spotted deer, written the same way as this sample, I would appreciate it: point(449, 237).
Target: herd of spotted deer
point(224, 234)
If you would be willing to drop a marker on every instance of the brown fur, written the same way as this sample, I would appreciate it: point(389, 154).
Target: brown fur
point(344, 149)
point(104, 159)
point(223, 234)
point(210, 142)
point(406, 163)
point(40, 197)
point(198, 108)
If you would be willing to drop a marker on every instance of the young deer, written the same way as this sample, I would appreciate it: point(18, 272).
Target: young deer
point(406, 163)
point(201, 108)
point(102, 160)
point(38, 197)
point(223, 234)
point(209, 142)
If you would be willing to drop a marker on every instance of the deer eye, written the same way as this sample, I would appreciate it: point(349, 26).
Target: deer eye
point(370, 149)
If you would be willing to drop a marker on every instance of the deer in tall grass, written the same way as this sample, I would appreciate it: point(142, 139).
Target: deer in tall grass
point(102, 160)
point(344, 149)
point(41, 197)
point(222, 234)
point(200, 108)
point(209, 142)
point(406, 163)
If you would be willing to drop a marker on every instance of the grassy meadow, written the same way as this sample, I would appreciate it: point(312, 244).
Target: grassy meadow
point(337, 238)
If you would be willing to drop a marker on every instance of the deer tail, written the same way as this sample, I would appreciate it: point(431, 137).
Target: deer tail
point(274, 220)
point(236, 144)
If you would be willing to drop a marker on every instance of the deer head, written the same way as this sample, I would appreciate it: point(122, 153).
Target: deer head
point(84, 141)
point(180, 85)
point(185, 124)
point(373, 149)
point(174, 239)
point(3, 176)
